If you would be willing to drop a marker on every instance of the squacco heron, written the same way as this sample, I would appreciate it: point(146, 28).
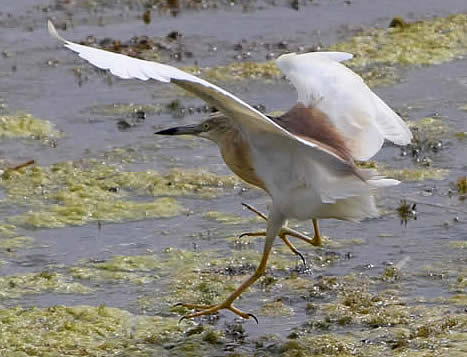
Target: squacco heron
point(304, 159)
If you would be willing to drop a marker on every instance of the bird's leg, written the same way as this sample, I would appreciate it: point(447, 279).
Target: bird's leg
point(316, 241)
point(275, 222)
point(286, 231)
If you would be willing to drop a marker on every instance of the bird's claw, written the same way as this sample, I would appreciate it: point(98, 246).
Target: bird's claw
point(302, 257)
point(254, 318)
point(212, 309)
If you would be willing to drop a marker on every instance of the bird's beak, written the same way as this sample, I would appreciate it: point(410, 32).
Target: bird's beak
point(181, 130)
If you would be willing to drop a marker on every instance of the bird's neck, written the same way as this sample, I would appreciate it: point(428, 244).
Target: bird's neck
point(237, 155)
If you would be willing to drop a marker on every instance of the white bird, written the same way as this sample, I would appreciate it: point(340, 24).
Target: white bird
point(303, 159)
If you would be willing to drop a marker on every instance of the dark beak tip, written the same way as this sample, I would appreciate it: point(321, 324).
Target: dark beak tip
point(180, 130)
point(170, 131)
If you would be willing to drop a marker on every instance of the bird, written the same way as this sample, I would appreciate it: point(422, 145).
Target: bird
point(305, 159)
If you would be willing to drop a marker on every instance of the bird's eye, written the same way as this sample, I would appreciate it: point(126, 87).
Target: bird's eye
point(206, 126)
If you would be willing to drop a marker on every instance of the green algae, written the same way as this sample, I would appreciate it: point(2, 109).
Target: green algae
point(137, 269)
point(458, 244)
point(84, 273)
point(178, 182)
point(296, 284)
point(76, 193)
point(459, 299)
point(15, 286)
point(74, 213)
point(204, 278)
point(13, 243)
point(415, 174)
point(460, 285)
point(406, 174)
point(7, 230)
point(195, 278)
point(461, 135)
point(10, 240)
point(129, 263)
point(101, 331)
point(122, 155)
point(103, 180)
point(83, 331)
point(202, 288)
point(191, 277)
point(25, 125)
point(138, 111)
point(225, 218)
point(276, 308)
point(363, 322)
point(427, 42)
point(358, 306)
point(243, 70)
point(429, 127)
point(195, 182)
point(125, 109)
point(321, 345)
point(416, 342)
point(357, 317)
point(211, 280)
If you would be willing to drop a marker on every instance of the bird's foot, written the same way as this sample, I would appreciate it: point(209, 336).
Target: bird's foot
point(316, 241)
point(212, 309)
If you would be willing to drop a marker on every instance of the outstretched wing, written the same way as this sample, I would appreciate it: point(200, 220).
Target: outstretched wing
point(358, 113)
point(128, 67)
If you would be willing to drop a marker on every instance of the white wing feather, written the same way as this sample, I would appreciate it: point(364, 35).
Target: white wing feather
point(360, 115)
point(127, 67)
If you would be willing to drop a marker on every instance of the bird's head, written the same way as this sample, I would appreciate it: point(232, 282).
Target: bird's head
point(213, 128)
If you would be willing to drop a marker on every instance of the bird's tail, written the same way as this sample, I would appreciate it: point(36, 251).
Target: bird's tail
point(372, 177)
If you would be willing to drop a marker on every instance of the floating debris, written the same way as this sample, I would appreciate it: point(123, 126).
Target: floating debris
point(147, 17)
point(407, 211)
point(462, 185)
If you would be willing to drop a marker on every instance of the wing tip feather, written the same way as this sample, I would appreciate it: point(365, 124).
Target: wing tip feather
point(286, 59)
point(53, 32)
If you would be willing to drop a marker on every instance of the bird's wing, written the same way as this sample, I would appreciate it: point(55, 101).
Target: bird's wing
point(358, 113)
point(128, 67)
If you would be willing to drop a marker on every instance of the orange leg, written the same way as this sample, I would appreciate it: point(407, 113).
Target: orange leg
point(275, 222)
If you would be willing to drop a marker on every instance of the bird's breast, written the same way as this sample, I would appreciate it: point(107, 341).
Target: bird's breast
point(236, 153)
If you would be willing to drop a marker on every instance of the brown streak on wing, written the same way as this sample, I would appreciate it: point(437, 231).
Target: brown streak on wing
point(313, 125)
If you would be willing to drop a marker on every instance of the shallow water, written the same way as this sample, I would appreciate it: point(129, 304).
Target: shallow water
point(52, 91)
